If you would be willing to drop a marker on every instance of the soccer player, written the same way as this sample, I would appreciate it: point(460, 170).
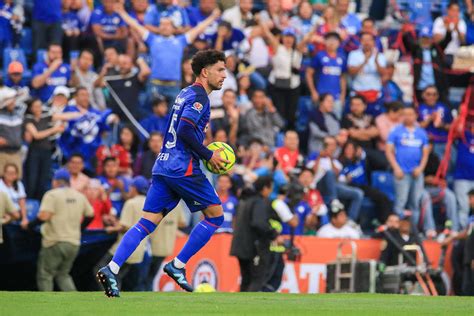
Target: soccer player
point(176, 174)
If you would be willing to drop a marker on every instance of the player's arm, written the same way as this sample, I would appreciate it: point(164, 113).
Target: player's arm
point(141, 30)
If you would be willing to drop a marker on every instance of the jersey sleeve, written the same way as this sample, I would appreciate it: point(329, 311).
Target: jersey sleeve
point(194, 108)
point(315, 62)
point(392, 137)
point(95, 17)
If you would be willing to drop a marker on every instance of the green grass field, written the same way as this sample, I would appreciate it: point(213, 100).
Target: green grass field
point(65, 304)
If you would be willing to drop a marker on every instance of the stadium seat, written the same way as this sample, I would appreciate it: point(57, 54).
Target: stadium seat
point(32, 208)
point(15, 54)
point(40, 55)
point(26, 42)
point(384, 181)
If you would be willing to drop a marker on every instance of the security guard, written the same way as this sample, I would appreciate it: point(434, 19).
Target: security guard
point(64, 212)
point(7, 212)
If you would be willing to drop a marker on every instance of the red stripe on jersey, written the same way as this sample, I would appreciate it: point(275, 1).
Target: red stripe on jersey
point(189, 171)
point(189, 121)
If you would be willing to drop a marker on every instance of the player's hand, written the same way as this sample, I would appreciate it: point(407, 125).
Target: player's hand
point(216, 161)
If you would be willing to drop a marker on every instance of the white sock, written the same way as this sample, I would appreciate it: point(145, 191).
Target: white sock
point(178, 264)
point(114, 267)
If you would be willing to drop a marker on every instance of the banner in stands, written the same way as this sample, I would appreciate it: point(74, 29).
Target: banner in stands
point(214, 265)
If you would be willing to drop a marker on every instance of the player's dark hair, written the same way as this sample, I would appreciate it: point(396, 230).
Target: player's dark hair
point(332, 35)
point(358, 97)
point(470, 192)
point(263, 182)
point(206, 58)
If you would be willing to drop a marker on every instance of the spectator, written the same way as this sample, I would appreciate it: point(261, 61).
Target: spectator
point(59, 99)
point(391, 92)
point(328, 69)
point(84, 76)
point(470, 29)
point(71, 26)
point(322, 122)
point(108, 27)
point(407, 152)
point(101, 204)
point(199, 14)
point(385, 122)
point(262, 121)
point(165, 9)
point(224, 188)
point(400, 228)
point(7, 19)
point(15, 78)
point(125, 88)
point(188, 75)
point(435, 117)
point(305, 20)
point(132, 212)
point(229, 39)
point(46, 24)
point(78, 180)
point(349, 21)
point(84, 134)
point(163, 240)
point(367, 66)
point(464, 173)
point(239, 15)
point(450, 24)
point(368, 26)
point(159, 119)
point(125, 151)
point(8, 213)
point(300, 217)
point(429, 68)
point(274, 15)
point(331, 23)
point(111, 64)
point(252, 236)
point(62, 210)
point(227, 117)
point(11, 122)
point(136, 45)
point(40, 132)
point(285, 77)
point(288, 156)
point(50, 73)
point(313, 197)
point(243, 99)
point(354, 174)
point(362, 131)
point(11, 184)
point(166, 49)
point(339, 227)
point(115, 185)
point(147, 158)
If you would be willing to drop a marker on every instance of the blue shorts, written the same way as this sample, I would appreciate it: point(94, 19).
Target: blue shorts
point(165, 192)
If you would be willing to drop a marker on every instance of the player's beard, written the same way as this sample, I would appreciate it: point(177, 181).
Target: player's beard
point(216, 86)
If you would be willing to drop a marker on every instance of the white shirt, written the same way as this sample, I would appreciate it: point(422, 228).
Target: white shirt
point(233, 15)
point(283, 210)
point(14, 195)
point(440, 29)
point(283, 61)
point(346, 231)
point(230, 82)
point(258, 56)
point(368, 78)
point(323, 167)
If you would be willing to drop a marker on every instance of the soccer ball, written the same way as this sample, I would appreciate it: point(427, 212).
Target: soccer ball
point(204, 288)
point(227, 153)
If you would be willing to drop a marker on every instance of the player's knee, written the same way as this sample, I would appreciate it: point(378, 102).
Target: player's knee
point(214, 211)
point(216, 221)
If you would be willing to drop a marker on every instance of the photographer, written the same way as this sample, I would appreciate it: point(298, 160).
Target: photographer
point(252, 236)
point(400, 230)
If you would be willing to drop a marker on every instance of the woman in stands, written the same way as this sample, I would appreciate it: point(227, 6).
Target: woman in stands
point(11, 185)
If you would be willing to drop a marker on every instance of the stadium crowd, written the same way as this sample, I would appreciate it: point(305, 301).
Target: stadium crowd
point(351, 101)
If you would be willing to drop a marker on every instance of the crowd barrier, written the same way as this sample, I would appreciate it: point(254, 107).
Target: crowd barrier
point(214, 265)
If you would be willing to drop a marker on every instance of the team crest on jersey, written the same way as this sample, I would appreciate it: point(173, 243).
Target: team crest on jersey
point(198, 106)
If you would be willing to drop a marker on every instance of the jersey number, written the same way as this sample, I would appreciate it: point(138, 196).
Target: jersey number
point(172, 130)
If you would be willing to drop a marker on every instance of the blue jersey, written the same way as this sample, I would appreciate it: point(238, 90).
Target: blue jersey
point(6, 30)
point(465, 158)
point(438, 135)
point(115, 196)
point(60, 77)
point(176, 159)
point(356, 170)
point(110, 22)
point(229, 206)
point(328, 72)
point(408, 146)
point(47, 11)
point(176, 14)
point(70, 21)
point(302, 210)
point(196, 17)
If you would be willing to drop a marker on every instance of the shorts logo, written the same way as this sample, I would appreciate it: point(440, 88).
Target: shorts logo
point(198, 106)
point(205, 272)
point(197, 203)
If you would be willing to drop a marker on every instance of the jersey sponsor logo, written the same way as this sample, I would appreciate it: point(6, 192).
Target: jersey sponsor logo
point(197, 106)
point(205, 272)
point(197, 203)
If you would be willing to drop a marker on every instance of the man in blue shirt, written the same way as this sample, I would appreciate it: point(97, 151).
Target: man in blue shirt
point(350, 21)
point(436, 118)
point(167, 49)
point(197, 15)
point(6, 28)
point(166, 9)
point(46, 23)
point(464, 174)
point(407, 151)
point(50, 73)
point(328, 70)
point(177, 175)
point(228, 38)
point(115, 185)
point(108, 27)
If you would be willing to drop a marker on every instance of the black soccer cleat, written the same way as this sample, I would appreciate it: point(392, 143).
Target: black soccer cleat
point(106, 277)
point(178, 275)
